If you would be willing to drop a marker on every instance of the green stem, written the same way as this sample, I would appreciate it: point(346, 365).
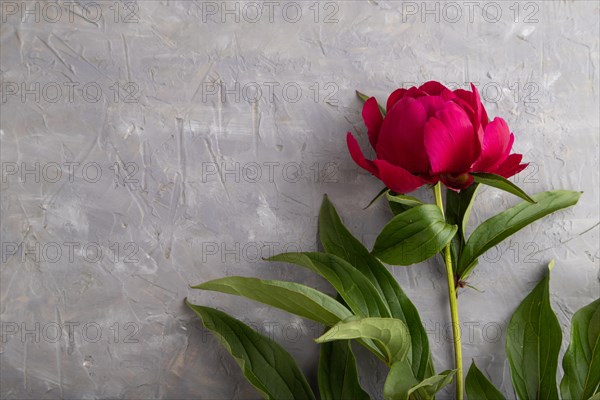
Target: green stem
point(453, 303)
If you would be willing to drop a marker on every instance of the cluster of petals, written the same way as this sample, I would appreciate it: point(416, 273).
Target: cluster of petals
point(431, 133)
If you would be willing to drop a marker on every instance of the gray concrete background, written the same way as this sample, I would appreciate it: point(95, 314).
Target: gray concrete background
point(129, 173)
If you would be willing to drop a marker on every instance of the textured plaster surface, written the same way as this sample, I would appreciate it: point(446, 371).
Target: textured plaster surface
point(165, 182)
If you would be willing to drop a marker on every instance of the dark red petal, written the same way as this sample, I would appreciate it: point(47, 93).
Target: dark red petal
point(511, 166)
point(415, 92)
point(497, 142)
point(478, 107)
point(433, 88)
point(397, 178)
point(467, 107)
point(472, 101)
point(373, 119)
point(393, 99)
point(358, 156)
point(432, 104)
point(465, 95)
point(398, 94)
point(401, 136)
point(451, 142)
point(458, 182)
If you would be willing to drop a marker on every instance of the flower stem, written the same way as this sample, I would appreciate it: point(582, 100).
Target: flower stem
point(453, 303)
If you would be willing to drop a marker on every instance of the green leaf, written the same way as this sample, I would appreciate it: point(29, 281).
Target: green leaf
point(397, 208)
point(399, 203)
point(399, 382)
point(478, 387)
point(289, 296)
point(458, 211)
point(413, 236)
point(391, 333)
point(400, 385)
point(377, 197)
point(408, 201)
point(532, 344)
point(363, 97)
point(500, 182)
point(338, 240)
point(427, 388)
point(496, 229)
point(459, 205)
point(581, 362)
point(265, 364)
point(356, 290)
point(338, 377)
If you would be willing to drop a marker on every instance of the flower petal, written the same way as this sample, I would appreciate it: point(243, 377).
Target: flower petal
point(471, 101)
point(511, 166)
point(432, 104)
point(479, 109)
point(399, 94)
point(457, 182)
point(401, 136)
point(393, 99)
point(497, 142)
point(434, 88)
point(358, 156)
point(373, 119)
point(397, 178)
point(451, 142)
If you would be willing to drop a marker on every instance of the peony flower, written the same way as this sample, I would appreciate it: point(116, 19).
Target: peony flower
point(431, 133)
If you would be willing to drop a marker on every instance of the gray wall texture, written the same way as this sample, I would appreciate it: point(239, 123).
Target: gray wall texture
point(151, 145)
